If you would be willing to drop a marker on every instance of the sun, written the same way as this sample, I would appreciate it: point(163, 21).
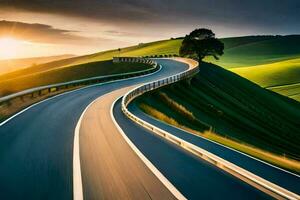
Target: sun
point(9, 47)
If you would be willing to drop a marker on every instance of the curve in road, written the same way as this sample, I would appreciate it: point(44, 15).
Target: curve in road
point(109, 170)
point(36, 146)
point(36, 152)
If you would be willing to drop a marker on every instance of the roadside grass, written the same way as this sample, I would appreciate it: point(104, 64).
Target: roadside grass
point(10, 84)
point(280, 161)
point(265, 124)
point(159, 115)
point(19, 104)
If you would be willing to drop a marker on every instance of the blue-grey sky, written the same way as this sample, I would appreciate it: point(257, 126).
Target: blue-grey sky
point(103, 24)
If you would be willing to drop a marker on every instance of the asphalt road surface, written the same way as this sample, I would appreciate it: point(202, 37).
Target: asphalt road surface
point(192, 176)
point(36, 147)
point(36, 152)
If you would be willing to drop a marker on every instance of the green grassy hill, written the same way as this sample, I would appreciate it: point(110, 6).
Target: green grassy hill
point(153, 48)
point(281, 77)
point(244, 115)
point(239, 51)
point(274, 74)
point(249, 52)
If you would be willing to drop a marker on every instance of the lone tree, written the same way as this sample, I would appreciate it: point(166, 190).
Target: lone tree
point(201, 43)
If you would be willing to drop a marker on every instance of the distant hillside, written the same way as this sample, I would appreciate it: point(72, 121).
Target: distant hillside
point(261, 50)
point(239, 51)
point(10, 65)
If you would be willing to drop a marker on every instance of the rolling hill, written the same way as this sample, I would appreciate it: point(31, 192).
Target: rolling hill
point(239, 51)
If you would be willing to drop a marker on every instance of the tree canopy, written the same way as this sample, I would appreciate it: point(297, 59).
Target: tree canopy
point(201, 43)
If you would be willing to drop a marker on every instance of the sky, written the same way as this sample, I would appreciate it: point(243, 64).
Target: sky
point(30, 28)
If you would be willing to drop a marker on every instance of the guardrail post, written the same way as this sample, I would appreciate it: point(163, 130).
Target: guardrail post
point(5, 103)
point(21, 98)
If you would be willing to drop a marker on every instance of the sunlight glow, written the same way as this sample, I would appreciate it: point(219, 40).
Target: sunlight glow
point(9, 47)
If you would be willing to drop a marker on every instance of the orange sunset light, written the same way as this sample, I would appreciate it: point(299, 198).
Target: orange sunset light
point(9, 47)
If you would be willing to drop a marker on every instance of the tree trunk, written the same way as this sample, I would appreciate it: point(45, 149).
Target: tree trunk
point(200, 57)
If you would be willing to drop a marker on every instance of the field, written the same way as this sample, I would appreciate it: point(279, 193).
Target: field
point(241, 113)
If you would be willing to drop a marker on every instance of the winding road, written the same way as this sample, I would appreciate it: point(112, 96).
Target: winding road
point(36, 152)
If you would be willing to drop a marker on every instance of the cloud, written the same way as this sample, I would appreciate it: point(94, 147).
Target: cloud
point(42, 33)
point(169, 18)
point(105, 9)
point(272, 13)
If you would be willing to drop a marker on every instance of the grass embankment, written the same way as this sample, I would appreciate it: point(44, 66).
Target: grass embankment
point(243, 115)
point(18, 104)
point(21, 80)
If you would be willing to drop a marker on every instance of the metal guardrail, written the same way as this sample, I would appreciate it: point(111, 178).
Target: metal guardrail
point(56, 87)
point(250, 178)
